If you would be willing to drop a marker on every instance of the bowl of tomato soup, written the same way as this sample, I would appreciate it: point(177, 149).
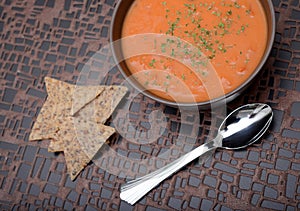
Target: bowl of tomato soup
point(187, 53)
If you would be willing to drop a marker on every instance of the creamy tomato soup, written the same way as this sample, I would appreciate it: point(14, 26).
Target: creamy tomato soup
point(230, 37)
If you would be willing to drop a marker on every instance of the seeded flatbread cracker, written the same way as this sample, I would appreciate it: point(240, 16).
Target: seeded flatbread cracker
point(80, 139)
point(90, 135)
point(75, 126)
point(44, 128)
point(75, 96)
point(109, 100)
point(89, 139)
point(82, 95)
point(59, 104)
point(56, 145)
point(102, 107)
point(99, 110)
point(45, 125)
point(75, 160)
point(41, 130)
point(55, 109)
point(65, 132)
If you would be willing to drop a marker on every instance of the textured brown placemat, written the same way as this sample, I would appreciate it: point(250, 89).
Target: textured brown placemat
point(57, 38)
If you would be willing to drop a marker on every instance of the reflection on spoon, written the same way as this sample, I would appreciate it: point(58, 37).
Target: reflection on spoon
point(242, 127)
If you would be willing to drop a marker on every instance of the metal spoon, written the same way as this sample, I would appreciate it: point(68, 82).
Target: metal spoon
point(241, 128)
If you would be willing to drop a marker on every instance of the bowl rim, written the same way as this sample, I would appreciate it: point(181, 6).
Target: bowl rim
point(203, 104)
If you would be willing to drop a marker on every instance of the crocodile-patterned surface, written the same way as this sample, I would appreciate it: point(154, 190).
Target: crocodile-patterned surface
point(58, 38)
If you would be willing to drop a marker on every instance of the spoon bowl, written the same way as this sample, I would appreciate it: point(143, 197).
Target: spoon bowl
point(241, 128)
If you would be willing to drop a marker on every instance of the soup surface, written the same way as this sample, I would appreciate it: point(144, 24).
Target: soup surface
point(193, 50)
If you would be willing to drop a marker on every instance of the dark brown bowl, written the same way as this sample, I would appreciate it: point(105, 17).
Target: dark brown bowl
point(115, 35)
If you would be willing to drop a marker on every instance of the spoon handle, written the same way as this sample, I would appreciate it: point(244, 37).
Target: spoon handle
point(135, 189)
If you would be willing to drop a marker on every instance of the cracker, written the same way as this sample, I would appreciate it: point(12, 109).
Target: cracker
point(83, 95)
point(56, 107)
point(73, 117)
point(79, 139)
point(59, 105)
point(71, 97)
point(56, 145)
point(88, 140)
point(90, 135)
point(111, 97)
point(103, 106)
point(75, 159)
point(40, 129)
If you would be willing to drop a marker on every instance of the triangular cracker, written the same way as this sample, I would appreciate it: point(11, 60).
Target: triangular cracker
point(90, 135)
point(57, 106)
point(102, 107)
point(80, 140)
point(82, 135)
point(83, 95)
point(42, 130)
